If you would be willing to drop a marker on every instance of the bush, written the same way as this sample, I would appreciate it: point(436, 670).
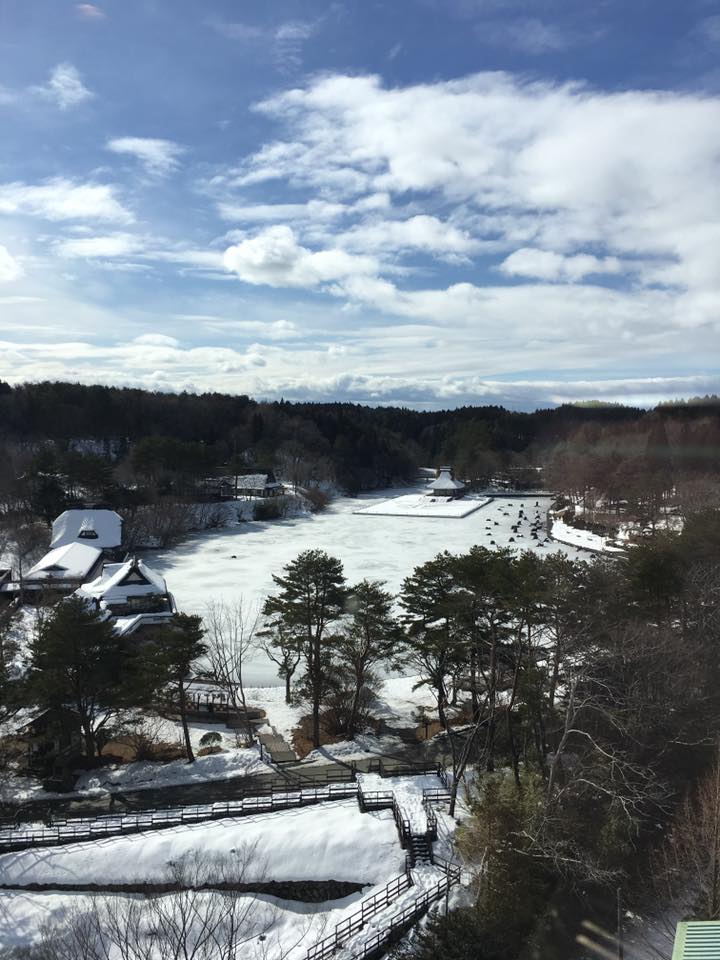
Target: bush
point(269, 509)
point(318, 499)
point(211, 739)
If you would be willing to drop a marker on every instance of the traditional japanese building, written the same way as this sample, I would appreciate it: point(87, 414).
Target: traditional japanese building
point(445, 485)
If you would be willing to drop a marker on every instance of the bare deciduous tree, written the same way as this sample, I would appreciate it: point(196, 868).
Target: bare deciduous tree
point(231, 639)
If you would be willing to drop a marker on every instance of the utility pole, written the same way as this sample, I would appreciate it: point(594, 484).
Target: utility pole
point(620, 948)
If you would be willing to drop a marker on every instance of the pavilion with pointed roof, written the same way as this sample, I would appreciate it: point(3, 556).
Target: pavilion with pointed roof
point(445, 485)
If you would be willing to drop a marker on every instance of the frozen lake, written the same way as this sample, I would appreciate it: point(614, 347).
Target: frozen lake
point(238, 562)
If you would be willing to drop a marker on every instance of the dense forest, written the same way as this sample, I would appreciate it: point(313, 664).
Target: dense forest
point(170, 439)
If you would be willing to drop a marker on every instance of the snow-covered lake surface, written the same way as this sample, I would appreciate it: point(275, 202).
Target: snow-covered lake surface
point(238, 562)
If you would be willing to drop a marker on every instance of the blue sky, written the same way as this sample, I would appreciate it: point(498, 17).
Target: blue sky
point(427, 202)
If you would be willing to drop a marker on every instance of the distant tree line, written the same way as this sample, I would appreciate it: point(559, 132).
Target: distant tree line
point(66, 442)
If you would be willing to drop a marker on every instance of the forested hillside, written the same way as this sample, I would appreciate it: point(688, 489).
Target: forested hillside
point(166, 440)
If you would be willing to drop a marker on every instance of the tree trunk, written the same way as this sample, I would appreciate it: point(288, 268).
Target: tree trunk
point(492, 701)
point(250, 731)
point(354, 711)
point(473, 684)
point(183, 720)
point(440, 691)
point(288, 678)
point(88, 737)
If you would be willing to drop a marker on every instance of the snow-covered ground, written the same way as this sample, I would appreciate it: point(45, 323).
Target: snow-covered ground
point(238, 562)
point(421, 505)
point(216, 766)
point(331, 841)
point(564, 533)
point(289, 927)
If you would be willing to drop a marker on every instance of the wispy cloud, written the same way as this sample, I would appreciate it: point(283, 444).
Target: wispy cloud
point(89, 11)
point(64, 199)
point(65, 87)
point(709, 29)
point(10, 268)
point(159, 157)
point(283, 41)
point(110, 246)
point(531, 35)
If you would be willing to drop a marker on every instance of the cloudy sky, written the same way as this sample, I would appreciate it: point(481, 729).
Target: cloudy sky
point(427, 202)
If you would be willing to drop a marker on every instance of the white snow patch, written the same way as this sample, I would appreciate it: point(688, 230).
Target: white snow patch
point(216, 766)
point(422, 505)
point(585, 539)
point(329, 841)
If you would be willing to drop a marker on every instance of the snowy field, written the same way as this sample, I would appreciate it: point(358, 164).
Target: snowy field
point(420, 505)
point(331, 841)
point(238, 562)
point(289, 927)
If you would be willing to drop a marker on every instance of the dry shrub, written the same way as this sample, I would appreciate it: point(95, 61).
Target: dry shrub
point(209, 751)
point(302, 735)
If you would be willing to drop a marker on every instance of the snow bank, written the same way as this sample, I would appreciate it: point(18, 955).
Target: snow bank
point(217, 766)
point(583, 539)
point(331, 841)
point(293, 926)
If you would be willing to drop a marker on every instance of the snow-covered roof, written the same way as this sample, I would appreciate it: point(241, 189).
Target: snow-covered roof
point(101, 528)
point(124, 626)
point(118, 581)
point(73, 561)
point(445, 481)
point(255, 481)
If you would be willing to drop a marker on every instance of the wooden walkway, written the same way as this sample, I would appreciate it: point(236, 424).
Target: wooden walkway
point(277, 749)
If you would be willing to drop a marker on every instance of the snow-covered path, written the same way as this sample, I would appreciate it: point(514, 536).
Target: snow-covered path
point(238, 562)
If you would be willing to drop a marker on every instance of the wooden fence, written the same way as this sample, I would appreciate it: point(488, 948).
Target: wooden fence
point(395, 925)
point(356, 921)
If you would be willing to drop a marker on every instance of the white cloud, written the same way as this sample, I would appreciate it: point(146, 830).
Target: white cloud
point(547, 265)
point(10, 269)
point(156, 340)
point(89, 11)
point(421, 232)
point(65, 87)
point(258, 212)
point(275, 258)
point(114, 245)
point(63, 199)
point(159, 157)
point(517, 164)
